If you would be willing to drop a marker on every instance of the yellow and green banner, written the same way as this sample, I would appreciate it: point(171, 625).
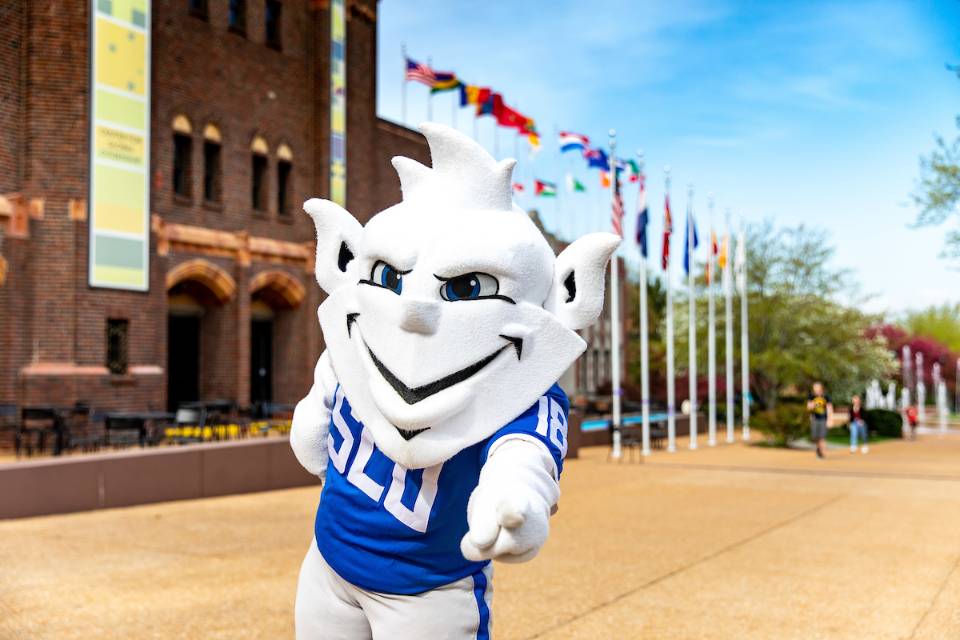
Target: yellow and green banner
point(120, 144)
point(338, 102)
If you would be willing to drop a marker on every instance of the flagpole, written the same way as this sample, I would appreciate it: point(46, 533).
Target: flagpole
point(453, 110)
point(614, 313)
point(744, 339)
point(671, 399)
point(692, 322)
point(644, 340)
point(921, 389)
point(403, 85)
point(430, 95)
point(711, 337)
point(728, 330)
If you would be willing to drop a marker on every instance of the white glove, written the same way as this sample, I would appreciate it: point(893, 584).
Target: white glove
point(311, 420)
point(509, 511)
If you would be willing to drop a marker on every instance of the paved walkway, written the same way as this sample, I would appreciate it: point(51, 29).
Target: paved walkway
point(731, 542)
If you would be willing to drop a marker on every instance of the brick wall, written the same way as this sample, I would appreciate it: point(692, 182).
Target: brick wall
point(52, 342)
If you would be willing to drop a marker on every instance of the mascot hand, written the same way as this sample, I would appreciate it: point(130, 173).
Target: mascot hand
point(509, 512)
point(311, 420)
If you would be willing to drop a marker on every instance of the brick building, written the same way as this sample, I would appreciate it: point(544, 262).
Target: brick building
point(240, 136)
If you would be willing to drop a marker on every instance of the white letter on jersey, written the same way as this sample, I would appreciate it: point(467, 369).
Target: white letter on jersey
point(357, 477)
point(550, 419)
point(339, 458)
point(419, 518)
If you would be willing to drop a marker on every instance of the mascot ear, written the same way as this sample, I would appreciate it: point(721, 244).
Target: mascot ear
point(338, 241)
point(576, 297)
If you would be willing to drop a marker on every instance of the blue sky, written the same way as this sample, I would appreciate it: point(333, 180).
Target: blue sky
point(801, 112)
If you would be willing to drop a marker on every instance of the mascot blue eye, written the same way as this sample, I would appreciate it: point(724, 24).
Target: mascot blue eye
point(470, 286)
point(386, 276)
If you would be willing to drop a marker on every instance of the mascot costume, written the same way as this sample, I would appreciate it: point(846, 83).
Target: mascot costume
point(435, 419)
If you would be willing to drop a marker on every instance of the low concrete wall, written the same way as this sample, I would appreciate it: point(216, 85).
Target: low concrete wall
point(604, 436)
point(82, 483)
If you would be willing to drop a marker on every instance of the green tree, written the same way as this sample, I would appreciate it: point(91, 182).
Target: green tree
point(942, 323)
point(938, 192)
point(800, 330)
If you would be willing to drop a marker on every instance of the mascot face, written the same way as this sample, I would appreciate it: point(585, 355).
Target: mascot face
point(448, 314)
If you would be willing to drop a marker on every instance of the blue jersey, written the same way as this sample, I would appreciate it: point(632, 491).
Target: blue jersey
point(385, 528)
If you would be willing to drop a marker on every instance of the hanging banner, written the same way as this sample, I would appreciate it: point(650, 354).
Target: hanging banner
point(120, 144)
point(338, 103)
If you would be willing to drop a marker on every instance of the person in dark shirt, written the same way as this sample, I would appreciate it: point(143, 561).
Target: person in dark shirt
point(821, 413)
point(858, 426)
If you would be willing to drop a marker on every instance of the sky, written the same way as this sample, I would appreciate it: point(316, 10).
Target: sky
point(811, 113)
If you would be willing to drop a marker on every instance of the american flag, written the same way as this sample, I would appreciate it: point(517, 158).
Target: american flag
point(420, 73)
point(616, 215)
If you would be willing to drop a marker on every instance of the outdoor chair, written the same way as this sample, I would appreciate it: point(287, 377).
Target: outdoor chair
point(188, 423)
point(37, 426)
point(84, 431)
point(8, 425)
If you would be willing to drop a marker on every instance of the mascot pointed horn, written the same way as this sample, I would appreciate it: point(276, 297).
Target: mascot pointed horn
point(462, 171)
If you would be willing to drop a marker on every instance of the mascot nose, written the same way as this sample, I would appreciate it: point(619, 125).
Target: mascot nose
point(419, 316)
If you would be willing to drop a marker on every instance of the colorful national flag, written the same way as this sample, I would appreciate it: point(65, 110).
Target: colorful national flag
point(509, 117)
point(643, 218)
point(667, 230)
point(630, 169)
point(690, 237)
point(604, 179)
point(573, 142)
point(616, 214)
point(469, 94)
point(419, 72)
point(574, 185)
point(596, 159)
point(544, 189)
point(444, 81)
point(518, 187)
point(486, 101)
point(724, 252)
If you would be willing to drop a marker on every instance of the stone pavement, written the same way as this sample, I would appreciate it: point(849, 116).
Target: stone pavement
point(730, 542)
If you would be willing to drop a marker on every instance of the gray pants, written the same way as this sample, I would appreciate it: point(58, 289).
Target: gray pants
point(818, 428)
point(330, 608)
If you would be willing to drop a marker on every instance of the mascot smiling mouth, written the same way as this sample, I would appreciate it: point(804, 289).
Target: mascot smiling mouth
point(413, 395)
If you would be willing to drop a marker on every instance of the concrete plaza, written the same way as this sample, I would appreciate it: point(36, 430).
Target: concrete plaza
point(727, 542)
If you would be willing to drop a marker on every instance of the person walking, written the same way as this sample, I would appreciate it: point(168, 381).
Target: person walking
point(858, 426)
point(821, 413)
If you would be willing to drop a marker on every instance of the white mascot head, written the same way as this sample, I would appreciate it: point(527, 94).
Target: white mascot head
point(448, 314)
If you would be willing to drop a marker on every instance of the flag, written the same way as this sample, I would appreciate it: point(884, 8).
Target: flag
point(529, 129)
point(444, 81)
point(509, 117)
point(691, 231)
point(596, 159)
point(604, 179)
point(574, 185)
point(616, 214)
point(573, 142)
point(630, 169)
point(724, 249)
point(518, 187)
point(486, 99)
point(740, 264)
point(643, 217)
point(469, 94)
point(418, 72)
point(667, 230)
point(544, 189)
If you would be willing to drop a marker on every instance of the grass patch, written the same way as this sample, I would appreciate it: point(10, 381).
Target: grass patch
point(841, 435)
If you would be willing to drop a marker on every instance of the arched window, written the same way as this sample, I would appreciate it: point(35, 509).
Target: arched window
point(258, 174)
point(284, 179)
point(182, 155)
point(212, 175)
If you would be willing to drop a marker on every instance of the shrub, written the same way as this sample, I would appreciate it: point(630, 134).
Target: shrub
point(884, 422)
point(784, 424)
